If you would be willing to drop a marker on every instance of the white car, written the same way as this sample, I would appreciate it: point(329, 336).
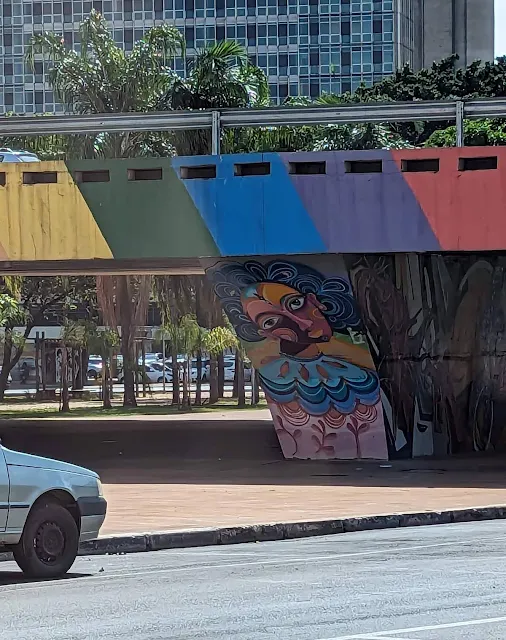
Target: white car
point(205, 371)
point(94, 367)
point(47, 508)
point(153, 372)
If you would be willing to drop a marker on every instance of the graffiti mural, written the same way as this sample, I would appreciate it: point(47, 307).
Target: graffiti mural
point(303, 333)
point(437, 329)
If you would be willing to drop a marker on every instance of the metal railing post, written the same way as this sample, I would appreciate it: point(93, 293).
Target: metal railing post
point(215, 134)
point(460, 123)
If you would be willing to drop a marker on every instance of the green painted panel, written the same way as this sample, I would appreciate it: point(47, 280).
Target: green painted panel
point(143, 218)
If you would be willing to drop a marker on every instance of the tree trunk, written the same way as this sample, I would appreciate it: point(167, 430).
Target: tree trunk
point(65, 397)
point(106, 376)
point(9, 362)
point(188, 365)
point(4, 374)
point(185, 385)
point(198, 382)
point(235, 388)
point(127, 343)
point(239, 376)
point(213, 381)
point(82, 375)
point(221, 376)
point(176, 395)
point(255, 390)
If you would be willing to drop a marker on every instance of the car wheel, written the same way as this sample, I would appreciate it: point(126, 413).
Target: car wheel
point(92, 375)
point(49, 544)
point(160, 379)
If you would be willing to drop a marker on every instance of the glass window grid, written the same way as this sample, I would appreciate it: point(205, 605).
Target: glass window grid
point(300, 24)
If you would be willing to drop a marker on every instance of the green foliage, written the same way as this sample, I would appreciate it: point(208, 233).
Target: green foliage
point(442, 81)
point(39, 296)
point(315, 138)
point(103, 78)
point(218, 339)
point(220, 76)
point(10, 311)
point(477, 133)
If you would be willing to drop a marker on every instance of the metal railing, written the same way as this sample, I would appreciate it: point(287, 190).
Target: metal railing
point(215, 120)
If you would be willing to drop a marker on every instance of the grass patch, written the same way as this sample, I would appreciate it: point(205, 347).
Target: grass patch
point(89, 409)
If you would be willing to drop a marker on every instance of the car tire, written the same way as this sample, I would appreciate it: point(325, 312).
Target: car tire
point(92, 375)
point(160, 379)
point(49, 543)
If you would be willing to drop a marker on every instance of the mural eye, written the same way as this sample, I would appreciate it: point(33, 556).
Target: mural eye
point(295, 303)
point(269, 323)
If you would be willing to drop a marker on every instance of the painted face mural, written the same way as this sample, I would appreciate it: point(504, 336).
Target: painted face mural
point(303, 334)
point(282, 312)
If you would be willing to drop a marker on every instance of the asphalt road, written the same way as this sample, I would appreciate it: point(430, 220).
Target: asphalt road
point(17, 389)
point(443, 582)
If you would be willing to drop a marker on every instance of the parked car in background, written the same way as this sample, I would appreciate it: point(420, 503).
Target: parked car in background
point(25, 369)
point(205, 371)
point(151, 357)
point(9, 377)
point(94, 367)
point(153, 373)
point(46, 508)
point(12, 155)
point(229, 370)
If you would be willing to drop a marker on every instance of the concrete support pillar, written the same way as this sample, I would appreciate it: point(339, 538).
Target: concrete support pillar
point(302, 330)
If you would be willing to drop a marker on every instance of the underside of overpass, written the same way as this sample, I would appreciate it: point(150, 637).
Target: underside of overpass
point(367, 287)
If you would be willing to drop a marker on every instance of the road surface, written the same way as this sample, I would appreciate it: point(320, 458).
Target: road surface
point(431, 583)
point(17, 389)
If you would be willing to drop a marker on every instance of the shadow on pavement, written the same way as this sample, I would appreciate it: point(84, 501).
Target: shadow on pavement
point(220, 451)
point(16, 577)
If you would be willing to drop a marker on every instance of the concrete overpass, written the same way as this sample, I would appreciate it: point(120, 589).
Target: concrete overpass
point(368, 287)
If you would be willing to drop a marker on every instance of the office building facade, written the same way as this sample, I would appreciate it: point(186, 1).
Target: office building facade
point(306, 47)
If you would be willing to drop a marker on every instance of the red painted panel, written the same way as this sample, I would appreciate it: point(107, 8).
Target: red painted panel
point(466, 209)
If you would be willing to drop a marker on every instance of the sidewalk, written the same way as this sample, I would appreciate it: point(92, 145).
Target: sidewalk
point(209, 470)
point(201, 494)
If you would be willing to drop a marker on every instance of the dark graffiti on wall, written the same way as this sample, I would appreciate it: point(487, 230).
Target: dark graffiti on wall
point(436, 325)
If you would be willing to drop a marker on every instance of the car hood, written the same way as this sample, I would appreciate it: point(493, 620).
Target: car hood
point(18, 459)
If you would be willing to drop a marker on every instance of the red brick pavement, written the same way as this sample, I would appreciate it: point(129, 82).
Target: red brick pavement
point(200, 494)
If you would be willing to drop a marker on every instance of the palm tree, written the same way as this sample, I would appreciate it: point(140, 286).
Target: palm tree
point(103, 342)
point(103, 78)
point(220, 76)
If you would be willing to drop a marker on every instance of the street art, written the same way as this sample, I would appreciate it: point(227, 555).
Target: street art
point(437, 329)
point(303, 333)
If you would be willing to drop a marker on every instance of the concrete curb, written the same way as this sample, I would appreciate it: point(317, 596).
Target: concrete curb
point(135, 543)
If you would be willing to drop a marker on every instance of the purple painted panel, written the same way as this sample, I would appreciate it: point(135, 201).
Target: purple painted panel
point(362, 212)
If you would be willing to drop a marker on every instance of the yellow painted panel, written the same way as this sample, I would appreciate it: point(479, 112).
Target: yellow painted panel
point(46, 221)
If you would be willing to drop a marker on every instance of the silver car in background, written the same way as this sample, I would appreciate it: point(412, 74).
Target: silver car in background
point(12, 155)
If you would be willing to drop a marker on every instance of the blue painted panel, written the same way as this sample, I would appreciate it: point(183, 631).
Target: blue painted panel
point(252, 215)
point(202, 191)
point(288, 227)
point(240, 208)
